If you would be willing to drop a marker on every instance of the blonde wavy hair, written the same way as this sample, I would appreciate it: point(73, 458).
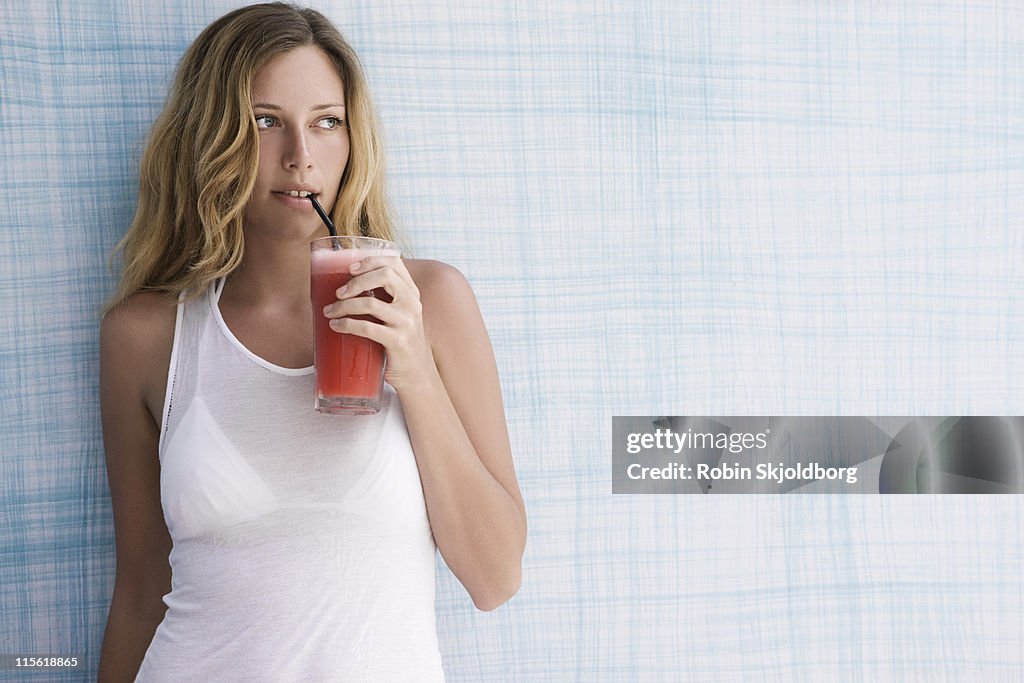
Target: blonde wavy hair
point(200, 161)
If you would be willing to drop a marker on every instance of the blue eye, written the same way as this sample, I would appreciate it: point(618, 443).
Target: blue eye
point(334, 121)
point(262, 117)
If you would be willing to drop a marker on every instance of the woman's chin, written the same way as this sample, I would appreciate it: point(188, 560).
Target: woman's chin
point(285, 230)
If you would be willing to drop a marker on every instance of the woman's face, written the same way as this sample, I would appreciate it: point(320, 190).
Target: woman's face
point(299, 103)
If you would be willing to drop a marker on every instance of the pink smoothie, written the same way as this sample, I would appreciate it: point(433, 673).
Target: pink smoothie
point(346, 365)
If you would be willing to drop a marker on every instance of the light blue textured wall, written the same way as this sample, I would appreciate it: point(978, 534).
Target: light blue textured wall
point(669, 208)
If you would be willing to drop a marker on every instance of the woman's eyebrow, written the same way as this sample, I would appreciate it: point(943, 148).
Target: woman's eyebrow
point(274, 107)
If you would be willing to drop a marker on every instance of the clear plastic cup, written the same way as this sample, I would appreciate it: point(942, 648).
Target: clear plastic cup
point(348, 369)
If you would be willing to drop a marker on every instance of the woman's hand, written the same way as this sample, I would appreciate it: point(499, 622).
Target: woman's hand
point(400, 330)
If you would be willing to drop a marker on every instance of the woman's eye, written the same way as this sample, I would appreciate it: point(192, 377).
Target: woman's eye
point(331, 122)
point(265, 121)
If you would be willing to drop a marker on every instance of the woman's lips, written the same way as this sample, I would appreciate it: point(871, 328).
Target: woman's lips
point(299, 203)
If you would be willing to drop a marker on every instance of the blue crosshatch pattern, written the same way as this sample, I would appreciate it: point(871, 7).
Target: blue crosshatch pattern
point(665, 208)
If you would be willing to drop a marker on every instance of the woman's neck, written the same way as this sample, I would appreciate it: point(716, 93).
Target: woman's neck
point(274, 275)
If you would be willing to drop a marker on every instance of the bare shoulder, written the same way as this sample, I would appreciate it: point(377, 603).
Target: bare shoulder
point(142, 308)
point(430, 274)
point(445, 294)
point(142, 321)
point(135, 347)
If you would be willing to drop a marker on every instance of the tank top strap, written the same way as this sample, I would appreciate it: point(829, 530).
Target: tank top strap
point(191, 319)
point(172, 367)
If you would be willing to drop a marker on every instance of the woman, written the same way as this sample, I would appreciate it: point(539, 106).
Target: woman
point(256, 538)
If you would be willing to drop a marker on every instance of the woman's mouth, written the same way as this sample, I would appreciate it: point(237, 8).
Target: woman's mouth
point(296, 200)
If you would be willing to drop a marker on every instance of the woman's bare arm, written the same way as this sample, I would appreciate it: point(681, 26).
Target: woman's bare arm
point(135, 343)
point(457, 425)
point(441, 364)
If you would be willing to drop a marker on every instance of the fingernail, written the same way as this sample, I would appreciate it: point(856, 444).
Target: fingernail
point(355, 266)
point(341, 290)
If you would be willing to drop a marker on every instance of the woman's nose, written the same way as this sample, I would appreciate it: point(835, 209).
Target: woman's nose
point(297, 153)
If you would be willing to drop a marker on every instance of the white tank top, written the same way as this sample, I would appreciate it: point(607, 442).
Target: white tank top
point(302, 549)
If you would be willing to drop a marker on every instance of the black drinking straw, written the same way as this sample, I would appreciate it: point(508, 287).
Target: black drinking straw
point(326, 219)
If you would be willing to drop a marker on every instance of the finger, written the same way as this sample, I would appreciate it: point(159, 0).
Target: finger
point(381, 277)
point(364, 305)
point(364, 328)
point(403, 272)
point(375, 262)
